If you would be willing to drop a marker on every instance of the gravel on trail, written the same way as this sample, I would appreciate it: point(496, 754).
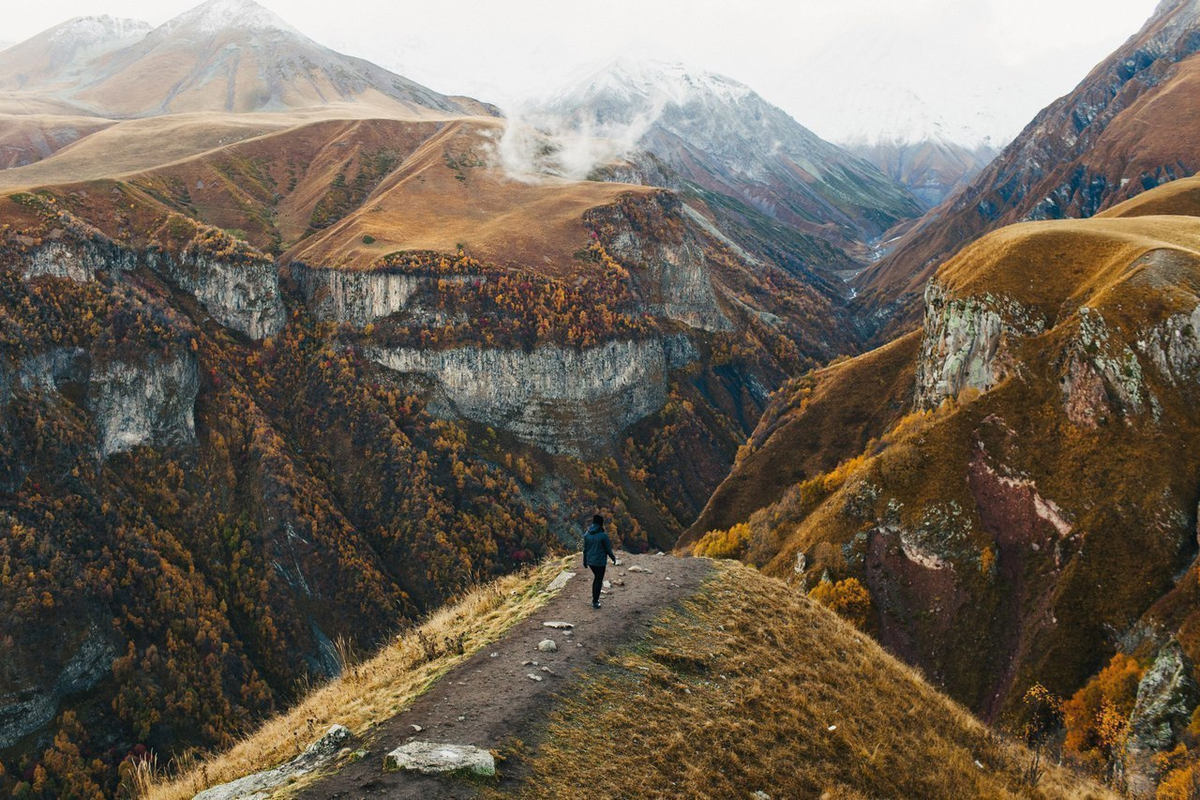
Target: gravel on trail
point(491, 701)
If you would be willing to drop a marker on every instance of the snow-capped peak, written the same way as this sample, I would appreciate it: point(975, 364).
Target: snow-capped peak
point(87, 31)
point(881, 113)
point(215, 16)
point(635, 79)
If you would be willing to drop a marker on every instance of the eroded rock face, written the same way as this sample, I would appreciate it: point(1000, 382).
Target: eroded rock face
point(46, 372)
point(136, 404)
point(965, 343)
point(1173, 347)
point(355, 297)
point(671, 271)
point(77, 261)
point(26, 711)
point(243, 296)
point(1103, 378)
point(1166, 698)
point(559, 398)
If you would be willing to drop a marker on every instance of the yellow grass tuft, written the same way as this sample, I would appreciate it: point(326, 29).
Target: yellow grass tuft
point(372, 691)
point(750, 687)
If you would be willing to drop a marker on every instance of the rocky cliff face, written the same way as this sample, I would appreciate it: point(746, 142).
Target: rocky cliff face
point(242, 294)
point(357, 298)
point(966, 343)
point(1103, 378)
point(558, 398)
point(1125, 129)
point(25, 709)
point(135, 404)
point(1166, 697)
point(77, 261)
point(672, 269)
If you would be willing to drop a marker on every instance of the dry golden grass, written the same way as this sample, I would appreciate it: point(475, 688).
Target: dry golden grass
point(751, 687)
point(450, 192)
point(137, 145)
point(1042, 264)
point(374, 690)
point(1181, 197)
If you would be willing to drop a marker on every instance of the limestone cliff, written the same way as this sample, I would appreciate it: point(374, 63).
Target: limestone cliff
point(24, 709)
point(135, 404)
point(240, 294)
point(559, 398)
point(354, 297)
point(672, 269)
point(966, 343)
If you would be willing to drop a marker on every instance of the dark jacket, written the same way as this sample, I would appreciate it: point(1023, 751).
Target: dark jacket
point(596, 546)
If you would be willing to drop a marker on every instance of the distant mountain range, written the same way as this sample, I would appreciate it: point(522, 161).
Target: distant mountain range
point(721, 135)
point(225, 55)
point(1129, 126)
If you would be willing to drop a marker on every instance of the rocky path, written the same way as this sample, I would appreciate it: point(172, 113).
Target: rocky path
point(499, 699)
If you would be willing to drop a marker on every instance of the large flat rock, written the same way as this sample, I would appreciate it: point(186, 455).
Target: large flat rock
point(431, 758)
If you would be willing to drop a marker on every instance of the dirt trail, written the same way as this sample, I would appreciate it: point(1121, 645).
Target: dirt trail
point(490, 702)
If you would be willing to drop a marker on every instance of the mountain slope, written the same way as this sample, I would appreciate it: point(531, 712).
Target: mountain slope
point(224, 55)
point(1126, 128)
point(931, 169)
point(321, 379)
point(909, 141)
point(657, 691)
point(1037, 507)
point(60, 57)
point(721, 135)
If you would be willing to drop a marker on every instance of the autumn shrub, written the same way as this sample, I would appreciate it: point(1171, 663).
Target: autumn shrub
point(848, 598)
point(724, 544)
point(1097, 716)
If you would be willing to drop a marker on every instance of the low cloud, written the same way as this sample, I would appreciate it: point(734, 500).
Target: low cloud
point(542, 141)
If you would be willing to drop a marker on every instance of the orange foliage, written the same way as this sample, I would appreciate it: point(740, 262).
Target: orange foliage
point(848, 598)
point(1097, 716)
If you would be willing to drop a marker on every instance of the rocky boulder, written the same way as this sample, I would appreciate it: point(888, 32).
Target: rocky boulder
point(431, 758)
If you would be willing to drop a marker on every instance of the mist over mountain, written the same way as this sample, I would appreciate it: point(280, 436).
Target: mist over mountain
point(719, 134)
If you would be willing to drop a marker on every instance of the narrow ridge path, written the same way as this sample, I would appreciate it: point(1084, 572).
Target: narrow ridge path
point(490, 701)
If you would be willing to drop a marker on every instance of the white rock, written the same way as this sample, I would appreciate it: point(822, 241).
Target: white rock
point(547, 646)
point(533, 677)
point(636, 568)
point(559, 625)
point(431, 758)
point(261, 784)
point(562, 580)
point(416, 728)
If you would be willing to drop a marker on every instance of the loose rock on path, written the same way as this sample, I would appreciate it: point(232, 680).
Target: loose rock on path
point(494, 700)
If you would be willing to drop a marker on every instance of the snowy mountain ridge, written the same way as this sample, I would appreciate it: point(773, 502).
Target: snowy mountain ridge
point(217, 16)
point(99, 30)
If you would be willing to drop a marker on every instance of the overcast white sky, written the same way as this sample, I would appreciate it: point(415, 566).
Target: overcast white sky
point(987, 63)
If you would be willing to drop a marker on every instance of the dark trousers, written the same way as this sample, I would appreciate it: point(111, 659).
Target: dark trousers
point(597, 581)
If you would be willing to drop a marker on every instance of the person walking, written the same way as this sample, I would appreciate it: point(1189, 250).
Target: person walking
point(596, 548)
